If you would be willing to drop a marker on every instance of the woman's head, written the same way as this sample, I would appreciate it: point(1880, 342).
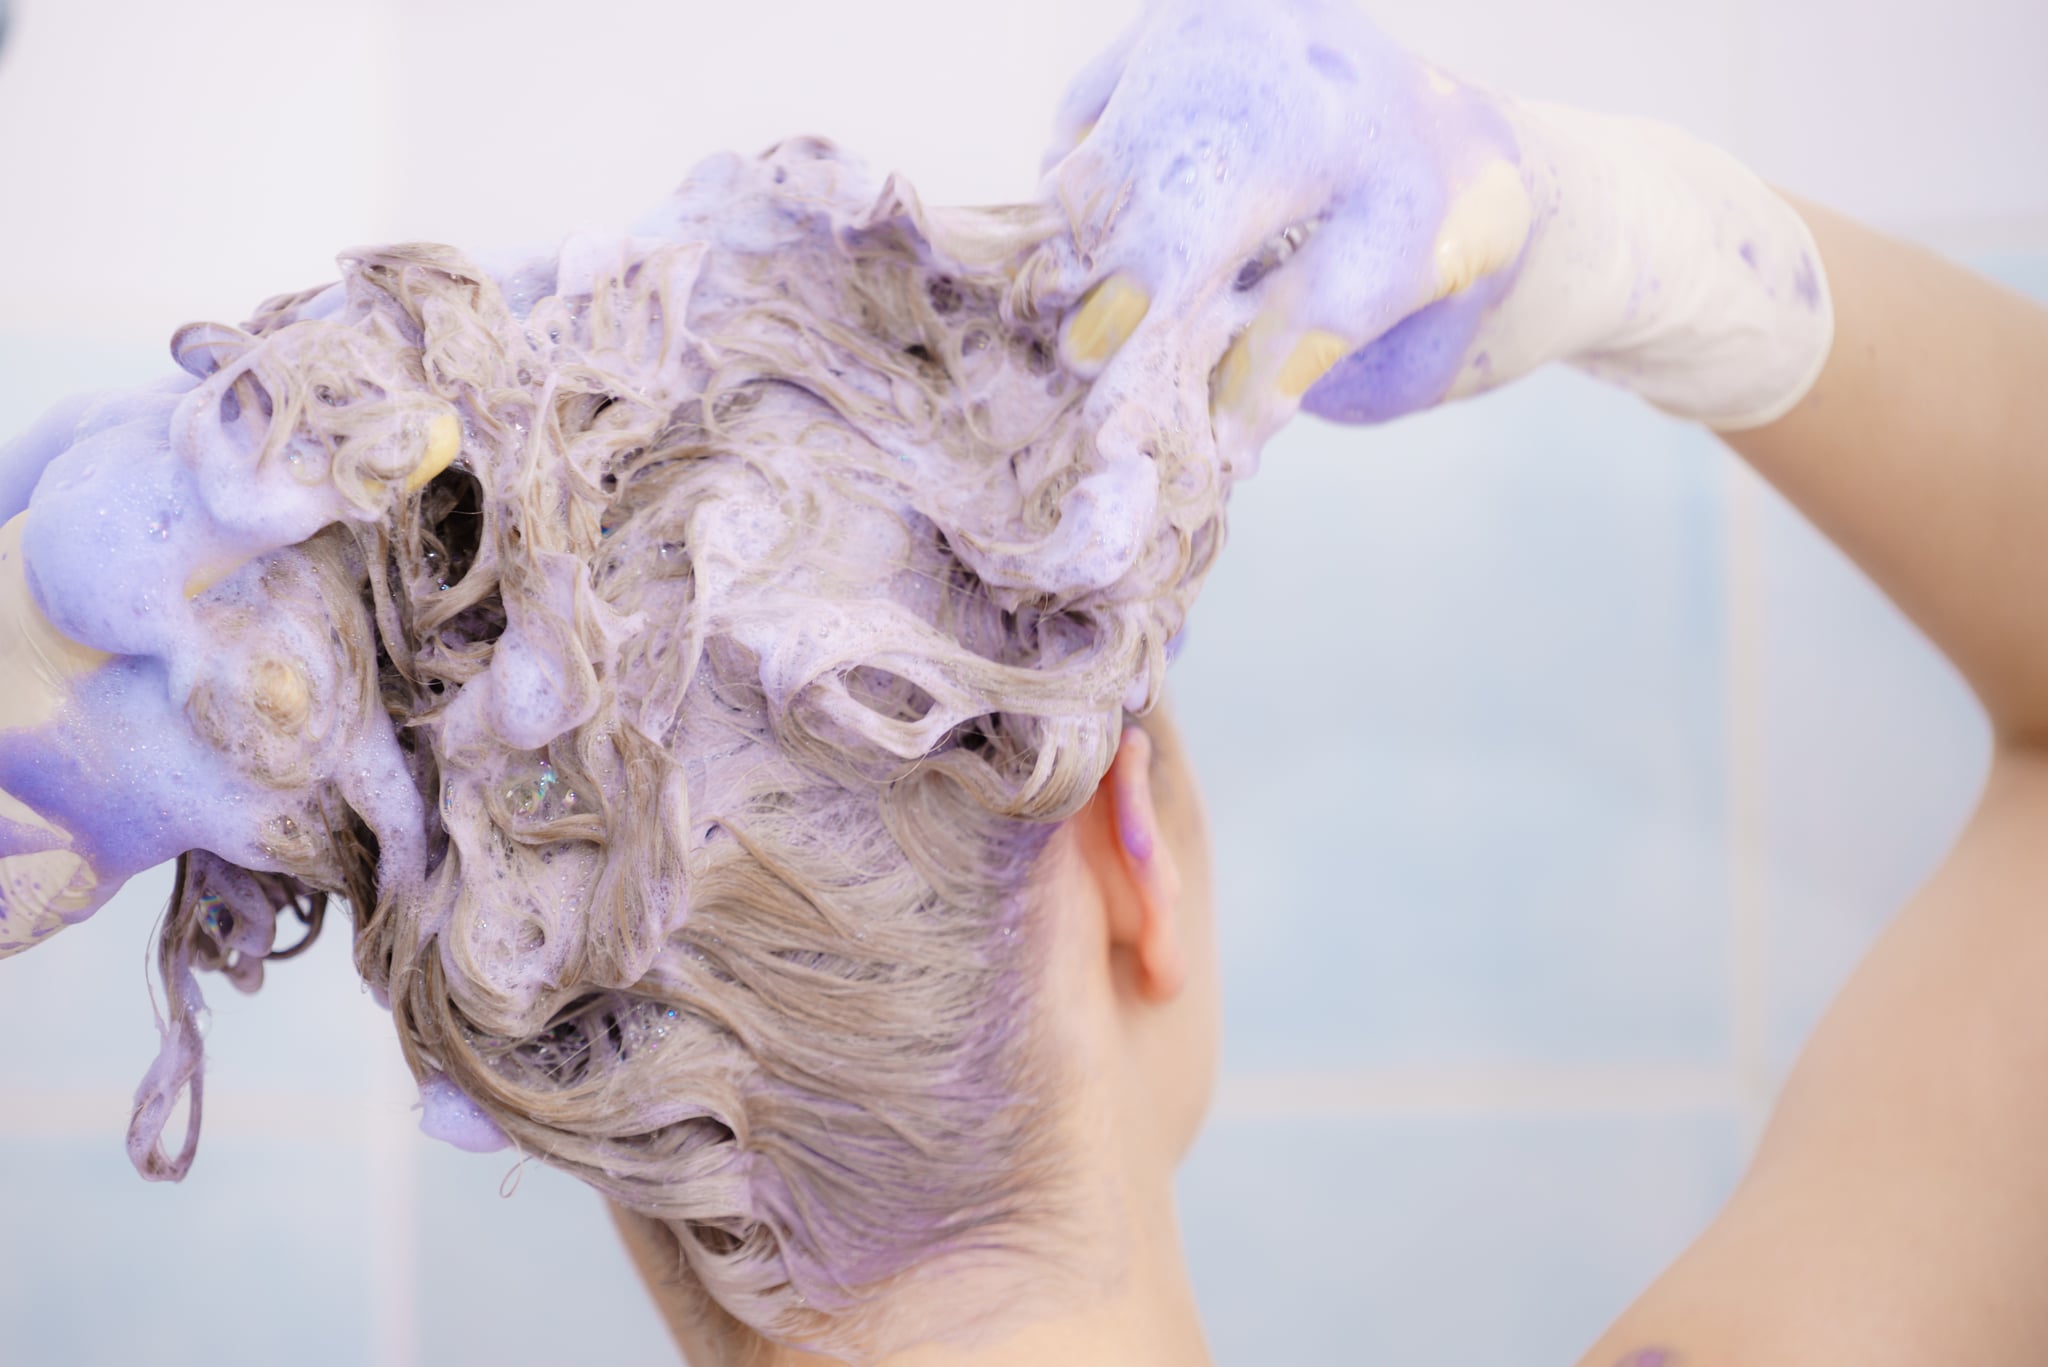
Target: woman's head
point(759, 662)
point(1097, 1029)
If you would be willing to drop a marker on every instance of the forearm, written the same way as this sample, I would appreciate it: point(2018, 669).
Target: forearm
point(1660, 263)
point(1923, 452)
point(1896, 1214)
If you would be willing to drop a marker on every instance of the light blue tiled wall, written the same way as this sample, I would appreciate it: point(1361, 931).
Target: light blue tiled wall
point(1461, 695)
point(1417, 1239)
point(517, 1268)
point(1457, 695)
point(255, 1258)
point(1455, 690)
point(1873, 752)
point(1559, 774)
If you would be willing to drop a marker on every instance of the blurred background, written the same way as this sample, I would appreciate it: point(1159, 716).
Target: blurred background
point(1559, 773)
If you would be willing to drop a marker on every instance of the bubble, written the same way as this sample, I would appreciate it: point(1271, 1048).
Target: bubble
point(808, 485)
point(543, 797)
point(218, 919)
point(447, 1113)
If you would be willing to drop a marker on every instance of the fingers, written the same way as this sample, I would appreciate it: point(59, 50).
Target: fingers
point(441, 446)
point(1270, 357)
point(1414, 331)
point(1289, 344)
point(40, 661)
point(40, 894)
point(43, 883)
point(1258, 384)
point(1107, 317)
point(1087, 97)
point(1308, 361)
point(439, 449)
point(444, 443)
point(1483, 230)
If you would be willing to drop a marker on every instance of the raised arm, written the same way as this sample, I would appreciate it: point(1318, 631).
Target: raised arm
point(1923, 452)
point(1896, 1213)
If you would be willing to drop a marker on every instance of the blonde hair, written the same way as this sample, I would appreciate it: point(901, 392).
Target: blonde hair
point(739, 693)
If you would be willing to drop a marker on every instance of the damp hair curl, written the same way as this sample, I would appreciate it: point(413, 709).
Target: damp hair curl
point(739, 693)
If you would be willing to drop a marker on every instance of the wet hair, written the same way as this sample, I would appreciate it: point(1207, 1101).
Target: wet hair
point(741, 665)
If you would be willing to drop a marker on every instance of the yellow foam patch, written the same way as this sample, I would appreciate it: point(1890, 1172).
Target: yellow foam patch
point(1483, 229)
point(1233, 374)
point(1311, 359)
point(1106, 320)
point(279, 690)
point(444, 443)
point(41, 659)
point(205, 577)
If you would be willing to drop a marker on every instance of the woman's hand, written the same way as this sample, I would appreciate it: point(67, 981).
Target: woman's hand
point(1343, 227)
point(166, 684)
point(44, 880)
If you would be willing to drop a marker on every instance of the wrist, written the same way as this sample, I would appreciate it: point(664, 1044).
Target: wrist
point(1661, 263)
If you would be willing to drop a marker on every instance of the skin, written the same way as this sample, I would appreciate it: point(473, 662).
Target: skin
point(1896, 1212)
point(1132, 994)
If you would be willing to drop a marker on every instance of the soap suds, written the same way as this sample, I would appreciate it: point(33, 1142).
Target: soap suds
point(682, 747)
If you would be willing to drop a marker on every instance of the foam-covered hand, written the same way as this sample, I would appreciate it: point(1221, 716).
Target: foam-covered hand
point(159, 679)
point(1347, 229)
point(44, 880)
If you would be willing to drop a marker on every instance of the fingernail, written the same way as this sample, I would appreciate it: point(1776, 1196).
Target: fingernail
point(1232, 374)
point(38, 893)
point(1312, 358)
point(46, 656)
point(207, 575)
point(1483, 230)
point(444, 440)
point(1105, 320)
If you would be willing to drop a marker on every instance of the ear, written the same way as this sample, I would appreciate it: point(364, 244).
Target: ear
point(1137, 871)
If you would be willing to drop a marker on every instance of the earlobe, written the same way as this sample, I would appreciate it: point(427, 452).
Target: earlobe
point(1148, 922)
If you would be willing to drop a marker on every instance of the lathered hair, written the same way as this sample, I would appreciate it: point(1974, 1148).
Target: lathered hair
point(743, 661)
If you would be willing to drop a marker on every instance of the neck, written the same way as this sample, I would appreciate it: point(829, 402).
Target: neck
point(1141, 1315)
point(1121, 1295)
